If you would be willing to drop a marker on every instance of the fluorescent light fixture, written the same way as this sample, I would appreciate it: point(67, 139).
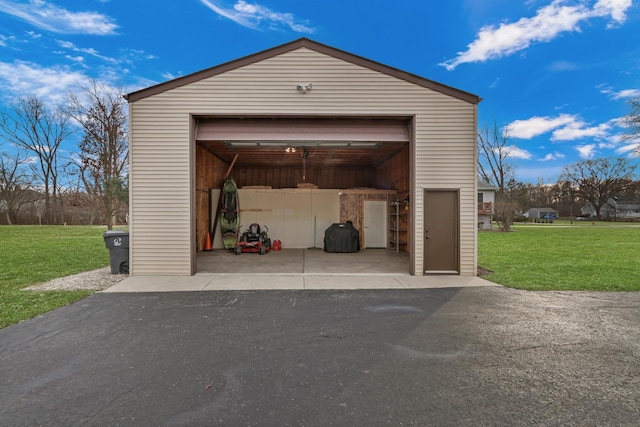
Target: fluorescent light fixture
point(303, 144)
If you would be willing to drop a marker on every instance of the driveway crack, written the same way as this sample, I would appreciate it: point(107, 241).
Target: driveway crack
point(88, 418)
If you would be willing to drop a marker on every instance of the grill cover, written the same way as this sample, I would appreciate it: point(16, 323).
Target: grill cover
point(341, 238)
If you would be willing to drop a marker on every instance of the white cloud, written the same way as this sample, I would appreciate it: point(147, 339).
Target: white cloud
point(256, 16)
point(587, 151)
point(56, 19)
point(552, 156)
point(620, 122)
point(89, 51)
point(565, 127)
point(549, 22)
point(630, 149)
point(616, 9)
point(170, 76)
point(622, 94)
point(517, 153)
point(579, 129)
point(51, 85)
point(78, 59)
point(137, 54)
point(530, 128)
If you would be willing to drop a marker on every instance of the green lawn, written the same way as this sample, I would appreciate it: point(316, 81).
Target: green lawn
point(559, 256)
point(35, 254)
point(564, 256)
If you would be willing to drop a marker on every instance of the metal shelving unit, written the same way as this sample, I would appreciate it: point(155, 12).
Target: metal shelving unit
point(398, 224)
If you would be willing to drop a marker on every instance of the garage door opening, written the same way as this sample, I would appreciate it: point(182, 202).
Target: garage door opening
point(297, 176)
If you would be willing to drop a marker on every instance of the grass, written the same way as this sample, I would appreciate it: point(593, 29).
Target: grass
point(35, 254)
point(564, 256)
point(559, 256)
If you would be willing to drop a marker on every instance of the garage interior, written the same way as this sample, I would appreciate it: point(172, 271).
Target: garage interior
point(297, 175)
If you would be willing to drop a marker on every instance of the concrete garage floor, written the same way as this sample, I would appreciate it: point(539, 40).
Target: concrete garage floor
point(305, 261)
point(291, 269)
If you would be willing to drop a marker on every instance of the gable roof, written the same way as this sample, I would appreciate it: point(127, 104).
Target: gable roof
point(485, 186)
point(297, 44)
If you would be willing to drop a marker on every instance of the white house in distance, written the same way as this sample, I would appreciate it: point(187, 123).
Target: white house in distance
point(617, 208)
point(366, 131)
point(486, 204)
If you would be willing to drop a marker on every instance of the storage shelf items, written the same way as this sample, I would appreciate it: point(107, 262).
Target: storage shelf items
point(398, 213)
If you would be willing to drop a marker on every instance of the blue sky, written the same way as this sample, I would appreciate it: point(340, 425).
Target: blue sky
point(557, 73)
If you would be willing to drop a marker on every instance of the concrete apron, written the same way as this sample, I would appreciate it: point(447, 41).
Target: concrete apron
point(240, 282)
point(297, 269)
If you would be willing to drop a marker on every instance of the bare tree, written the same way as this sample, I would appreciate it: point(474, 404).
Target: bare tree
point(14, 183)
point(632, 121)
point(566, 201)
point(102, 114)
point(505, 210)
point(599, 179)
point(40, 131)
point(494, 166)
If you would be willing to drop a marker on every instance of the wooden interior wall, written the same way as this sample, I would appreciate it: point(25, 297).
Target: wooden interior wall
point(391, 175)
point(352, 206)
point(328, 177)
point(395, 174)
point(209, 174)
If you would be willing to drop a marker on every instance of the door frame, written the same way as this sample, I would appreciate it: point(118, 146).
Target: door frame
point(456, 236)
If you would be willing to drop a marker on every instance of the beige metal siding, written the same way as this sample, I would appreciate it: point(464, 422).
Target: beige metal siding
point(160, 143)
point(160, 191)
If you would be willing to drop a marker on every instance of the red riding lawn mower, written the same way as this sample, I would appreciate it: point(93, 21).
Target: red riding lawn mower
point(253, 240)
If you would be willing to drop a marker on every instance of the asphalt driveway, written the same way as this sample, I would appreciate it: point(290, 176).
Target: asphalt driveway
point(471, 356)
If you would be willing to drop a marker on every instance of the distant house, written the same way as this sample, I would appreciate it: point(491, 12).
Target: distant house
point(486, 202)
point(539, 213)
point(615, 209)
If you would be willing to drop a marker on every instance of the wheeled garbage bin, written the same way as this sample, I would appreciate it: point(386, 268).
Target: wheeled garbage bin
point(117, 242)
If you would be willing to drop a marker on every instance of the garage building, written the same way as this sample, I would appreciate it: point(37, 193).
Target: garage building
point(312, 135)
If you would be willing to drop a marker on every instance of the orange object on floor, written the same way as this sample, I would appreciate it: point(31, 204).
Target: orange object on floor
point(207, 243)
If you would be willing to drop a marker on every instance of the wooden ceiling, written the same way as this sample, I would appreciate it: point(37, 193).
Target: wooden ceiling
point(316, 156)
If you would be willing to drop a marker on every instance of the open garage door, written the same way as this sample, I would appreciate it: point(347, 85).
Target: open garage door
point(292, 172)
point(265, 131)
point(328, 142)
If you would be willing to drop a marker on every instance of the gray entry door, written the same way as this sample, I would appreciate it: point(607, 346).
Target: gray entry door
point(375, 224)
point(441, 244)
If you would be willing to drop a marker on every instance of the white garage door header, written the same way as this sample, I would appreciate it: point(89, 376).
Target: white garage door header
point(382, 130)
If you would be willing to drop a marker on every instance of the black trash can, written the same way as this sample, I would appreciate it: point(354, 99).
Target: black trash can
point(117, 242)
